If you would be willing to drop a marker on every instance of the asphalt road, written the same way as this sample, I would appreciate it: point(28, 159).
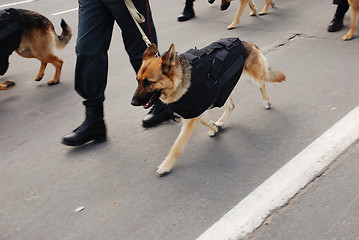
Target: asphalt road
point(326, 209)
point(42, 182)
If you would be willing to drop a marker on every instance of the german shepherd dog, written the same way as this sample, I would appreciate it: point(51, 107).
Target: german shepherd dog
point(169, 77)
point(37, 41)
point(7, 85)
point(354, 5)
point(225, 4)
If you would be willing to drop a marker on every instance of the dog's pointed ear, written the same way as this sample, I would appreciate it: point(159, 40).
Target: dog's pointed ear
point(168, 60)
point(151, 51)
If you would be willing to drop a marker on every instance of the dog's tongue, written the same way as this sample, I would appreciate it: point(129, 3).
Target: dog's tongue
point(149, 103)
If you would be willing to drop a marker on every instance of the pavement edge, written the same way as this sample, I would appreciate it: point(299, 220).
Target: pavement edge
point(280, 188)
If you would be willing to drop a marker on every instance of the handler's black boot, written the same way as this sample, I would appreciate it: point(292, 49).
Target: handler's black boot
point(159, 113)
point(4, 65)
point(336, 24)
point(188, 12)
point(92, 129)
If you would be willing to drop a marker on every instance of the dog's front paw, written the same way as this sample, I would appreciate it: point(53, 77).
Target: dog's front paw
point(215, 129)
point(212, 133)
point(39, 76)
point(266, 104)
point(262, 13)
point(232, 25)
point(53, 81)
point(163, 169)
point(348, 36)
point(219, 124)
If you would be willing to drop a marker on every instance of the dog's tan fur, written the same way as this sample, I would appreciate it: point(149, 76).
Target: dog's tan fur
point(171, 75)
point(354, 5)
point(242, 5)
point(6, 85)
point(38, 41)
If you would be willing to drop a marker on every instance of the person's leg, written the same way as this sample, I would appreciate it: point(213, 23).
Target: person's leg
point(188, 11)
point(132, 38)
point(135, 46)
point(337, 23)
point(94, 37)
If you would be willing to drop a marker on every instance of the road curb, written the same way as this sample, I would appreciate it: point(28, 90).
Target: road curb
point(277, 190)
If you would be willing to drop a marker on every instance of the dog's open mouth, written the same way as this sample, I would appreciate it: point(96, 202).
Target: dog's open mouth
point(152, 100)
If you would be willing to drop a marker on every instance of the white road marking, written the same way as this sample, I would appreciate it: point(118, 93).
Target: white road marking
point(66, 11)
point(16, 3)
point(277, 190)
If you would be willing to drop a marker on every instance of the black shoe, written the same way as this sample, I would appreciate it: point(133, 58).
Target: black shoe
point(335, 25)
point(159, 113)
point(211, 1)
point(92, 129)
point(225, 6)
point(187, 14)
point(85, 133)
point(4, 65)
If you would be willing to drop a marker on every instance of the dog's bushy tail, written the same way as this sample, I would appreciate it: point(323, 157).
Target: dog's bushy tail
point(273, 75)
point(63, 39)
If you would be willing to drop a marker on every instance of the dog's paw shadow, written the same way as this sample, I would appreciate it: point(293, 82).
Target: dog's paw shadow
point(45, 84)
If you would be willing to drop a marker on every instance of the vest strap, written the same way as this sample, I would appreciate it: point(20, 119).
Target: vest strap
point(233, 69)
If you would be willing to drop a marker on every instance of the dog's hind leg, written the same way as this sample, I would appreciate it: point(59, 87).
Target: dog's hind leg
point(187, 129)
point(256, 67)
point(239, 14)
point(41, 71)
point(6, 85)
point(213, 128)
point(44, 58)
point(57, 62)
point(353, 21)
point(265, 9)
point(258, 78)
point(251, 5)
point(265, 96)
point(228, 109)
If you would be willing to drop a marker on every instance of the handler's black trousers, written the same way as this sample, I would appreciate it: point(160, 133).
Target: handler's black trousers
point(342, 8)
point(96, 20)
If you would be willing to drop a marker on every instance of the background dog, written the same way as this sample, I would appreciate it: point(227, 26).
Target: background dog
point(169, 77)
point(6, 85)
point(225, 4)
point(354, 5)
point(38, 39)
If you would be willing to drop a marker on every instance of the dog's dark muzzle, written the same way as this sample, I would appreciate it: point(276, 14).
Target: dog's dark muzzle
point(137, 101)
point(145, 100)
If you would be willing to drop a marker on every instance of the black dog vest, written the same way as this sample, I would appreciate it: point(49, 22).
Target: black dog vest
point(216, 70)
point(10, 35)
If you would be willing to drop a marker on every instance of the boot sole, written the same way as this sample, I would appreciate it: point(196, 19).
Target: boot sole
point(79, 143)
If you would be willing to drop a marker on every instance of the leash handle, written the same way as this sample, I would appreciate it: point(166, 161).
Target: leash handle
point(138, 18)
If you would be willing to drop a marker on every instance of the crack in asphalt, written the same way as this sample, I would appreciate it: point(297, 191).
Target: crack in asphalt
point(295, 36)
